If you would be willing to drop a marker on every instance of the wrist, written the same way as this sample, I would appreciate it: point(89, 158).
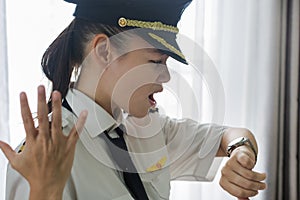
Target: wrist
point(46, 192)
point(242, 141)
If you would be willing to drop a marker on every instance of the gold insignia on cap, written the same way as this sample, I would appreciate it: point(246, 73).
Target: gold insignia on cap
point(144, 24)
point(158, 165)
point(167, 45)
point(122, 22)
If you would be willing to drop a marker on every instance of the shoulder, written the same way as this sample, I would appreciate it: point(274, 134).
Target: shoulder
point(67, 120)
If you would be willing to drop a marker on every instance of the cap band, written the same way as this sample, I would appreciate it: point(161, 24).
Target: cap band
point(123, 22)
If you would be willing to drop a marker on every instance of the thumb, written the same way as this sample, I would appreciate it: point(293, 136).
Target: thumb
point(8, 151)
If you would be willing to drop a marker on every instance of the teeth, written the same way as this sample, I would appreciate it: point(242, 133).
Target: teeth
point(151, 98)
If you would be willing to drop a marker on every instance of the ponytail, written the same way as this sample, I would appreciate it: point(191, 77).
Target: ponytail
point(67, 52)
point(57, 62)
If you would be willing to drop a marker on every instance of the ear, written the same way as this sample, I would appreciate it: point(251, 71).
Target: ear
point(102, 48)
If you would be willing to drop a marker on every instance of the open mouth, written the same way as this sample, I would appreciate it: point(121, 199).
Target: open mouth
point(151, 99)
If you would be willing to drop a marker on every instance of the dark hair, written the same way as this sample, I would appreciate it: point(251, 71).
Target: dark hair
point(67, 52)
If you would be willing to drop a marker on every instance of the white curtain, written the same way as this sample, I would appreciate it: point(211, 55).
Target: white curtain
point(245, 41)
point(4, 131)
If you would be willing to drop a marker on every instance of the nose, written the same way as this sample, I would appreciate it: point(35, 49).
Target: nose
point(164, 75)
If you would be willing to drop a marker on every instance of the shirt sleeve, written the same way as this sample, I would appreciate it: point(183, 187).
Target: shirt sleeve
point(16, 185)
point(192, 148)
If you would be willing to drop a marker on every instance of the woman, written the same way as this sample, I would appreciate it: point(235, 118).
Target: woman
point(118, 52)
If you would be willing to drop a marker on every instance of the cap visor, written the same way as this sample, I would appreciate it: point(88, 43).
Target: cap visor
point(164, 41)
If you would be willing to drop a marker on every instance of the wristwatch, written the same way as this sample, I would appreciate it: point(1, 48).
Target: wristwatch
point(240, 142)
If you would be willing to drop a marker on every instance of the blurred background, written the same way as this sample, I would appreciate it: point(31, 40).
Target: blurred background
point(252, 44)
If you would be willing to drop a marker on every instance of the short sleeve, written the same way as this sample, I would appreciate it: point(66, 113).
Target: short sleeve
point(192, 149)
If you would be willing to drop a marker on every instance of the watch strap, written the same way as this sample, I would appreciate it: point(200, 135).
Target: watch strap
point(240, 142)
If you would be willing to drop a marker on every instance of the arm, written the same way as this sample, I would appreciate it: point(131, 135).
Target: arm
point(47, 159)
point(192, 148)
point(232, 133)
point(238, 178)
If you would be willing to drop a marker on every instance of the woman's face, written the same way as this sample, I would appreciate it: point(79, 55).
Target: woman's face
point(131, 80)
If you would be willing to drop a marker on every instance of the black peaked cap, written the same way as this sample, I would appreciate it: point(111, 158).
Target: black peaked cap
point(132, 13)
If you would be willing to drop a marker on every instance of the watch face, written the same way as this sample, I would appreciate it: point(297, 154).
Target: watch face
point(240, 142)
point(236, 143)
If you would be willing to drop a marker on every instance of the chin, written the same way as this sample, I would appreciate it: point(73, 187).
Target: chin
point(139, 113)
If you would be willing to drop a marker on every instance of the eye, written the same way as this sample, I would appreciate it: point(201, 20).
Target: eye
point(156, 61)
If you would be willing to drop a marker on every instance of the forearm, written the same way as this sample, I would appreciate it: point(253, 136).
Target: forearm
point(232, 133)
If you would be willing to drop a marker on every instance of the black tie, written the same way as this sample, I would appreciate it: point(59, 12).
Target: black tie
point(123, 160)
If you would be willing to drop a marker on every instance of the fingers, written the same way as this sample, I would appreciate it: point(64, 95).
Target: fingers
point(240, 181)
point(250, 175)
point(240, 165)
point(8, 151)
point(77, 128)
point(27, 117)
point(237, 190)
point(245, 157)
point(43, 114)
point(56, 123)
point(245, 178)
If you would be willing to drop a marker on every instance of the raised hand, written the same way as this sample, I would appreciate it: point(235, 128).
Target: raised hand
point(238, 178)
point(47, 158)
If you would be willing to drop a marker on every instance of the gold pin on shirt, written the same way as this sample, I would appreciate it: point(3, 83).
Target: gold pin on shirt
point(158, 165)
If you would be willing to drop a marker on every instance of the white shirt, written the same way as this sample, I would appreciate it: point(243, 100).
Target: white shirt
point(162, 149)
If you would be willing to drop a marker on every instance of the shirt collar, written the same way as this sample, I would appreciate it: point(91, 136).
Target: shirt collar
point(98, 120)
